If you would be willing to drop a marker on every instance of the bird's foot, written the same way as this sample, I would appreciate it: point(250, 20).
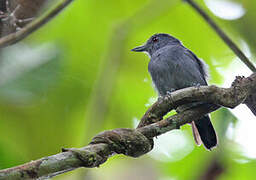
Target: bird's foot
point(160, 98)
point(197, 85)
point(170, 91)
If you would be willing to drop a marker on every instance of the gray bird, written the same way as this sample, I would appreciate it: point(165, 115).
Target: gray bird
point(173, 67)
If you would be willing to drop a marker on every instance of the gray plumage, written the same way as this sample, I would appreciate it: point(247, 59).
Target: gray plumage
point(173, 67)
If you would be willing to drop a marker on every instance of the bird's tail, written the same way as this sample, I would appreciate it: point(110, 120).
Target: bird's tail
point(252, 107)
point(251, 102)
point(204, 132)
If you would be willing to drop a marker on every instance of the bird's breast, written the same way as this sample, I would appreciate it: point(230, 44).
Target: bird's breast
point(163, 75)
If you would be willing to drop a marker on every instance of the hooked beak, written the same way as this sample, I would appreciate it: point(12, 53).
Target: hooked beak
point(140, 48)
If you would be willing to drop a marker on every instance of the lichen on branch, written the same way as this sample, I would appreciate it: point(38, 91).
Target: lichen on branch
point(137, 142)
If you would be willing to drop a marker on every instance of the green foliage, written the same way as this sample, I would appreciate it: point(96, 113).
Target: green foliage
point(86, 80)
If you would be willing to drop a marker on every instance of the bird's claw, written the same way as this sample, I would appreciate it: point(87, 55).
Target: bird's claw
point(197, 85)
point(160, 98)
point(169, 93)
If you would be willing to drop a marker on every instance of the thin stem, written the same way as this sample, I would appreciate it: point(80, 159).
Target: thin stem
point(33, 26)
point(223, 36)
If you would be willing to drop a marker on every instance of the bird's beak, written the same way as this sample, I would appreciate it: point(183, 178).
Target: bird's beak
point(140, 48)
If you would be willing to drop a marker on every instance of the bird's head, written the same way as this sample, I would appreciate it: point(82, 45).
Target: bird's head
point(155, 42)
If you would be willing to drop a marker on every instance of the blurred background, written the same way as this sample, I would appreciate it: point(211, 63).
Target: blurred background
point(76, 77)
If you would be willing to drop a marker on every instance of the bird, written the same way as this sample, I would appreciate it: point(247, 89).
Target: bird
point(172, 66)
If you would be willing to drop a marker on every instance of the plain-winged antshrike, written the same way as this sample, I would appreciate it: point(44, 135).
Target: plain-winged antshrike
point(173, 67)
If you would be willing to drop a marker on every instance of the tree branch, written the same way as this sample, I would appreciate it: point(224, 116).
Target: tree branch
point(137, 142)
point(228, 97)
point(223, 35)
point(97, 106)
point(33, 26)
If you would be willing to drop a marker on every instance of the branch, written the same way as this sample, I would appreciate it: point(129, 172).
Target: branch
point(113, 60)
point(223, 36)
point(33, 26)
point(137, 142)
point(241, 91)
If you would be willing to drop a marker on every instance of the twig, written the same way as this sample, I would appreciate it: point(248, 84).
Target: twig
point(139, 141)
point(223, 36)
point(33, 26)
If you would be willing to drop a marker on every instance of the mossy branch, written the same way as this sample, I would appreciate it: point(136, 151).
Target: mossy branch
point(137, 142)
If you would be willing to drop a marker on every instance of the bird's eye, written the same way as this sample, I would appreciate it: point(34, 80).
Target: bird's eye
point(155, 39)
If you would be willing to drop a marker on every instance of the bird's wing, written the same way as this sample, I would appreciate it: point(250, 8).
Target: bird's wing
point(174, 67)
point(187, 68)
point(201, 65)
